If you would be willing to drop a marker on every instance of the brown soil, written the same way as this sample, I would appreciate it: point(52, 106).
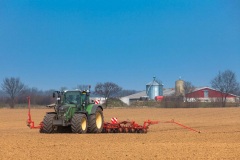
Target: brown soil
point(219, 137)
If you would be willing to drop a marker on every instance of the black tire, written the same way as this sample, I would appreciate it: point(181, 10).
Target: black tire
point(95, 122)
point(41, 130)
point(48, 124)
point(64, 129)
point(79, 123)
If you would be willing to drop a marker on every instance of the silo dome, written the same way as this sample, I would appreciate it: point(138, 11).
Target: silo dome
point(154, 89)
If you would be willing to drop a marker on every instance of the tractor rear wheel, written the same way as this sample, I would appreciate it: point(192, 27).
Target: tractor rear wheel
point(95, 122)
point(79, 123)
point(48, 124)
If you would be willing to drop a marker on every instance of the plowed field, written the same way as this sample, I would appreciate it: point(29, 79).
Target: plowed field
point(219, 137)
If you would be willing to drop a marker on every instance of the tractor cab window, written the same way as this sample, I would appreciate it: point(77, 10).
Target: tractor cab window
point(78, 99)
point(71, 98)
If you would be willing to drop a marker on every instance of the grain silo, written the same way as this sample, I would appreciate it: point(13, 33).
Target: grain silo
point(154, 89)
point(179, 87)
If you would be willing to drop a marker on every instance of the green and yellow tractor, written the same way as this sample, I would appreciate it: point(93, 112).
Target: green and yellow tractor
point(74, 112)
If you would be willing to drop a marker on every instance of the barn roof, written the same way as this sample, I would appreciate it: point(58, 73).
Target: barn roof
point(201, 88)
point(166, 92)
point(137, 95)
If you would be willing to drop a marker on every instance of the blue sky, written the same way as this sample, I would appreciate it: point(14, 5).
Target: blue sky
point(51, 44)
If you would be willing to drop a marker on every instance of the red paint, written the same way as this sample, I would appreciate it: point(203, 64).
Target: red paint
point(159, 98)
point(114, 120)
point(97, 101)
point(211, 93)
point(133, 127)
point(30, 122)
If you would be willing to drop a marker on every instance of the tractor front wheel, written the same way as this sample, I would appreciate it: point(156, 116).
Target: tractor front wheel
point(95, 122)
point(79, 123)
point(48, 124)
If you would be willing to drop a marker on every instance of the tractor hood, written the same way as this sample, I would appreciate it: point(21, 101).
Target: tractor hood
point(64, 108)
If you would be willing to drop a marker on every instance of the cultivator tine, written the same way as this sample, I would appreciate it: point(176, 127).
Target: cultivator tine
point(132, 130)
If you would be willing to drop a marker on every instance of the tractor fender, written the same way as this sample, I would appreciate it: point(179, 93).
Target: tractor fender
point(91, 109)
point(81, 112)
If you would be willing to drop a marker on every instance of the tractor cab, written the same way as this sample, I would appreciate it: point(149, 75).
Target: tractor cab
point(76, 97)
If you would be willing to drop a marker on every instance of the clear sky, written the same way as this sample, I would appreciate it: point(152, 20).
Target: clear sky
point(49, 44)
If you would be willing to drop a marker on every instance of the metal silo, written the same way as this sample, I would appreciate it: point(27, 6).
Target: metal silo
point(179, 87)
point(154, 89)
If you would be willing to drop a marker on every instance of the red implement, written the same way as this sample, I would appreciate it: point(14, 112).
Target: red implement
point(133, 127)
point(127, 127)
point(186, 127)
point(30, 122)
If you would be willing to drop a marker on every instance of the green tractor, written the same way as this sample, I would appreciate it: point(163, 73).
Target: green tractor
point(73, 112)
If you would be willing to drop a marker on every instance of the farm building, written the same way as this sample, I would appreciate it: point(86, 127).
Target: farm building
point(207, 94)
point(143, 96)
point(155, 89)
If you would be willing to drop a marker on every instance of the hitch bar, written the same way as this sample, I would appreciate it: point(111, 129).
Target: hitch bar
point(30, 122)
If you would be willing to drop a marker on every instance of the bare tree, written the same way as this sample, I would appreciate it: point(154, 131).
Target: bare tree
point(238, 91)
point(107, 89)
point(83, 87)
point(13, 87)
point(188, 87)
point(225, 82)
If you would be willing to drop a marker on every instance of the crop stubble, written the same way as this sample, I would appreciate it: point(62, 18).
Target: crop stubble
point(219, 137)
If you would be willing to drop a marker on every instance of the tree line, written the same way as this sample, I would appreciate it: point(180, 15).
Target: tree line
point(14, 91)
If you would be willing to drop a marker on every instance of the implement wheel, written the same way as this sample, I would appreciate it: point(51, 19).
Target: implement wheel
point(48, 124)
point(79, 123)
point(95, 122)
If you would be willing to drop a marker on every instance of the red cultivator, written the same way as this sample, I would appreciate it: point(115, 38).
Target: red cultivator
point(127, 127)
point(133, 127)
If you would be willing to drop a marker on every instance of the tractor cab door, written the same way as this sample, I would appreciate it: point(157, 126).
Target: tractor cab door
point(84, 99)
point(81, 101)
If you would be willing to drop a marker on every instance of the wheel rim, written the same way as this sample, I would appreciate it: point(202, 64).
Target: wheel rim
point(84, 124)
point(98, 120)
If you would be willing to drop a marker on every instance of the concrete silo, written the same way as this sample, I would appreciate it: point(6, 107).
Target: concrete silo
point(179, 87)
point(154, 89)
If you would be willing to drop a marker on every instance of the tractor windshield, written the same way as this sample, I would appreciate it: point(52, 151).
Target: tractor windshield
point(72, 97)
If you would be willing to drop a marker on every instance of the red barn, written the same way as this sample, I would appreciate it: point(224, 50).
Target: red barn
point(207, 94)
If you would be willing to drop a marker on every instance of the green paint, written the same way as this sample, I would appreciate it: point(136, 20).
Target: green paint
point(70, 112)
point(72, 102)
point(89, 108)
